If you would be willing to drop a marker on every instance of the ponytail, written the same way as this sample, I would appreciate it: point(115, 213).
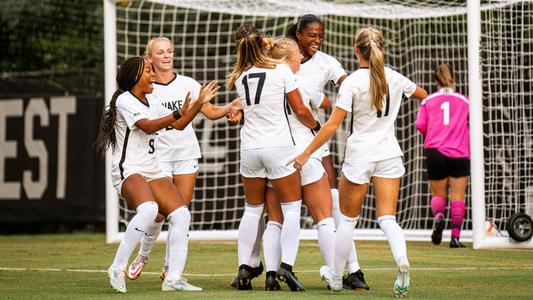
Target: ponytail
point(369, 41)
point(106, 134)
point(291, 31)
point(444, 75)
point(128, 75)
point(249, 53)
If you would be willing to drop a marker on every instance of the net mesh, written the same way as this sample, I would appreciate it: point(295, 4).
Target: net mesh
point(421, 34)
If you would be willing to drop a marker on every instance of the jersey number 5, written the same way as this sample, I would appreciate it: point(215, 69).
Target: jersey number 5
point(259, 89)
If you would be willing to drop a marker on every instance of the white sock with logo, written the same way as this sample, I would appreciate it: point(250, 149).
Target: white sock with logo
point(146, 213)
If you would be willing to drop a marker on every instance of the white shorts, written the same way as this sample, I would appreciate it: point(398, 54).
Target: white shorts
point(361, 173)
point(149, 172)
point(312, 171)
point(179, 167)
point(268, 163)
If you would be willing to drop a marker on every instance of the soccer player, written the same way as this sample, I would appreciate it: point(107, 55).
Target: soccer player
point(373, 95)
point(129, 127)
point(177, 151)
point(266, 142)
point(443, 120)
point(324, 69)
point(315, 186)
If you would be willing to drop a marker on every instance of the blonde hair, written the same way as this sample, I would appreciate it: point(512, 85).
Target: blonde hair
point(444, 75)
point(249, 53)
point(369, 41)
point(280, 48)
point(151, 42)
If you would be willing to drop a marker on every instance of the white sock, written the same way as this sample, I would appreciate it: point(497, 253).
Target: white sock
point(146, 213)
point(255, 259)
point(352, 262)
point(326, 240)
point(394, 235)
point(167, 248)
point(343, 242)
point(248, 232)
point(272, 246)
point(290, 231)
point(178, 241)
point(148, 240)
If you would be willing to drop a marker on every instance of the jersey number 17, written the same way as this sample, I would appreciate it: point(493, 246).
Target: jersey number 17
point(260, 83)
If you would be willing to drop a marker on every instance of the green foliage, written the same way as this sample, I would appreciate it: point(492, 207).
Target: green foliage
point(50, 35)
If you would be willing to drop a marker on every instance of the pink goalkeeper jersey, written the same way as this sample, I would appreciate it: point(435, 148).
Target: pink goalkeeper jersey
point(443, 120)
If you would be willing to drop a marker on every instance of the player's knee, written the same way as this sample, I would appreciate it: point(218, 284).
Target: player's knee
point(148, 209)
point(180, 216)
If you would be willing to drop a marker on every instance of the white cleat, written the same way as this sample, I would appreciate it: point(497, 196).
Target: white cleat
point(334, 282)
point(116, 279)
point(180, 284)
point(402, 285)
point(136, 267)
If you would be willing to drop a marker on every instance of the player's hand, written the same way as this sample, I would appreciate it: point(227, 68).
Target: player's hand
point(235, 105)
point(234, 118)
point(299, 161)
point(208, 92)
point(186, 105)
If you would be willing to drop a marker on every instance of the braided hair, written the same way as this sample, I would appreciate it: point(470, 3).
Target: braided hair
point(128, 75)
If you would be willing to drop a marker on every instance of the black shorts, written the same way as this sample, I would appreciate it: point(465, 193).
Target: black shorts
point(440, 166)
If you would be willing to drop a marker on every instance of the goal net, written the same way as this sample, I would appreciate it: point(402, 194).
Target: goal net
point(421, 34)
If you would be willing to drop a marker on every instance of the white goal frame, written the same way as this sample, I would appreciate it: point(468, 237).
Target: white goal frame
point(477, 235)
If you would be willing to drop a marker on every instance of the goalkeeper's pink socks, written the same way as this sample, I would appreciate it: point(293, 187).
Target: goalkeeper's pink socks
point(457, 212)
point(438, 206)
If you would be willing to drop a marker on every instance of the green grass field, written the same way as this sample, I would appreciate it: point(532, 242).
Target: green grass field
point(72, 266)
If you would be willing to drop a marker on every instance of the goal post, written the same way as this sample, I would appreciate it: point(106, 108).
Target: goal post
point(489, 45)
point(110, 70)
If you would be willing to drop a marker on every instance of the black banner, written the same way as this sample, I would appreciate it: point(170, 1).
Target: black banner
point(49, 172)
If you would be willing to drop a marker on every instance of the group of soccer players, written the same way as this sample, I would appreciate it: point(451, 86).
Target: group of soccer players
point(280, 83)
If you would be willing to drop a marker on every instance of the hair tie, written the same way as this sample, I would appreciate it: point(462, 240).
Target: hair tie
point(373, 44)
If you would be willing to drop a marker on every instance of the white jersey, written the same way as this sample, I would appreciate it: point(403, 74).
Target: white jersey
point(265, 117)
point(312, 97)
point(372, 134)
point(134, 148)
point(173, 144)
point(322, 68)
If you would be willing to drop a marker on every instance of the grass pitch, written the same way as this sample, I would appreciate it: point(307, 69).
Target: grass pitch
point(72, 266)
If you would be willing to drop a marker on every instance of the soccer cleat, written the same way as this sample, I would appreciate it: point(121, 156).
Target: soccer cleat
point(180, 284)
point(164, 272)
point(326, 274)
point(454, 243)
point(438, 227)
point(116, 279)
point(271, 283)
point(402, 285)
point(256, 271)
point(290, 279)
point(355, 281)
point(136, 267)
point(244, 277)
point(235, 282)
